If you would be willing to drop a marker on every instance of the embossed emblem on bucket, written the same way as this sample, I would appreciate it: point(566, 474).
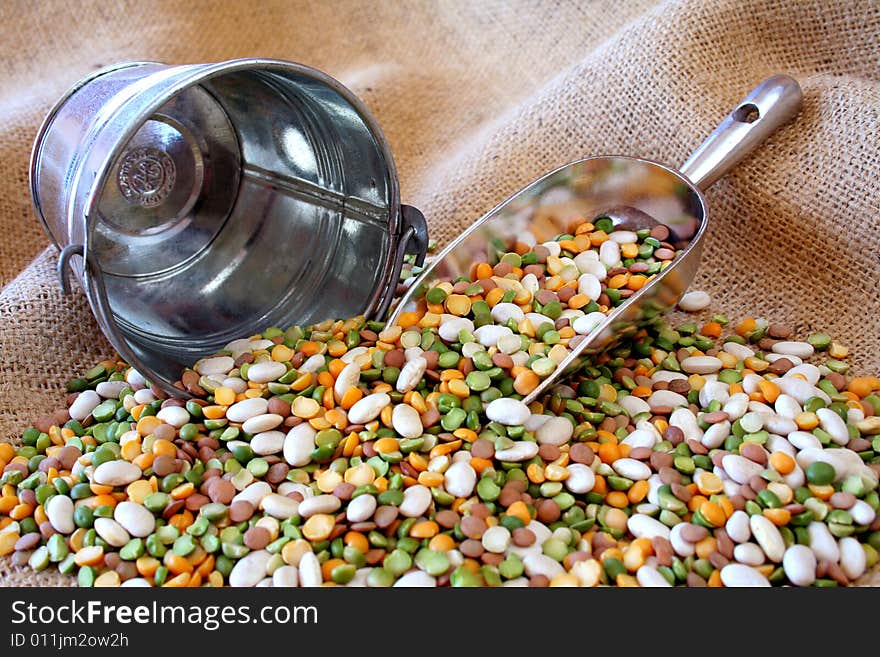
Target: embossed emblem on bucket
point(146, 176)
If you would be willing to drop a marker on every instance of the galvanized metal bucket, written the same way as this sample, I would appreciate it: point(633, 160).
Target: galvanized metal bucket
point(210, 201)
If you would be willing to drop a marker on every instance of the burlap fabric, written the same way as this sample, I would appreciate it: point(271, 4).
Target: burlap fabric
point(479, 98)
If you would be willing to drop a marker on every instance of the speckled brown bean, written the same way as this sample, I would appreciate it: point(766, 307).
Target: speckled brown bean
point(695, 581)
point(673, 435)
point(67, 456)
point(548, 511)
point(256, 538)
point(565, 294)
point(374, 556)
point(502, 360)
point(697, 447)
point(539, 582)
point(369, 450)
point(126, 570)
point(502, 269)
point(509, 495)
point(608, 424)
point(482, 448)
point(836, 573)
point(164, 465)
point(662, 550)
point(681, 492)
point(175, 506)
point(548, 452)
point(779, 331)
point(277, 473)
point(279, 407)
point(112, 559)
point(28, 541)
point(718, 560)
point(46, 530)
point(581, 453)
point(641, 453)
point(838, 381)
point(693, 533)
point(523, 537)
point(602, 542)
point(753, 452)
point(394, 358)
point(46, 463)
point(165, 432)
point(757, 484)
point(841, 500)
point(573, 557)
point(344, 491)
point(856, 445)
point(724, 543)
point(491, 558)
point(780, 366)
point(16, 466)
point(747, 493)
point(738, 501)
point(447, 518)
point(717, 458)
point(384, 516)
point(715, 417)
point(196, 501)
point(27, 496)
point(365, 527)
point(661, 460)
point(241, 511)
point(207, 441)
point(473, 526)
point(221, 491)
point(681, 386)
point(293, 421)
point(480, 510)
point(471, 547)
point(670, 476)
point(408, 470)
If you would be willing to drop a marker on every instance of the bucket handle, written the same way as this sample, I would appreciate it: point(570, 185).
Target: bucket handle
point(105, 317)
point(413, 241)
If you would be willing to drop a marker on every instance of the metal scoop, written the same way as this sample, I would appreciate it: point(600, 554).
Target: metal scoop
point(636, 193)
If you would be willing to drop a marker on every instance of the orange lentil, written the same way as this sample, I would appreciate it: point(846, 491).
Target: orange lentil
point(770, 390)
point(638, 492)
point(711, 329)
point(210, 412)
point(782, 463)
point(746, 327)
point(357, 540)
point(176, 564)
point(706, 546)
point(21, 511)
point(617, 499)
point(424, 529)
point(442, 543)
point(519, 510)
point(609, 452)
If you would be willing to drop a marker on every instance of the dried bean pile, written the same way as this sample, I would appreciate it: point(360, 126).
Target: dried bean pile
point(352, 453)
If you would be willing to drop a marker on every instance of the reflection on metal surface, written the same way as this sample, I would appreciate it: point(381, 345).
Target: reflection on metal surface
point(635, 193)
point(215, 200)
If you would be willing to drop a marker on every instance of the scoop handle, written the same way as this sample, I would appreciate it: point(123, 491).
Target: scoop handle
point(770, 105)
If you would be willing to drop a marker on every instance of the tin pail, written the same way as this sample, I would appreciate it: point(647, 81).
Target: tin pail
point(209, 201)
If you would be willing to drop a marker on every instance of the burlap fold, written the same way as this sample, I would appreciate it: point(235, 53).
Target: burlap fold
point(477, 100)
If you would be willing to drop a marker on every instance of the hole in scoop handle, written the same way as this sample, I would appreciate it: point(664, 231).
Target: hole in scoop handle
point(770, 105)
